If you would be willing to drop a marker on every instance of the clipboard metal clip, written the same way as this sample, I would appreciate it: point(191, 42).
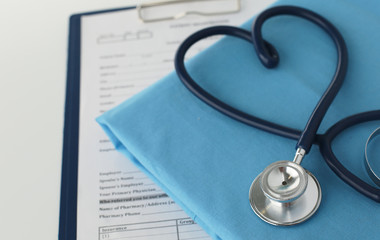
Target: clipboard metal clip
point(143, 9)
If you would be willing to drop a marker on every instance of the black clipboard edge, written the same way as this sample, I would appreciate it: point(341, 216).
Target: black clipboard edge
point(69, 175)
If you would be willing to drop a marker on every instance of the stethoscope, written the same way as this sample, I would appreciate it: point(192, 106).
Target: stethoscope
point(285, 193)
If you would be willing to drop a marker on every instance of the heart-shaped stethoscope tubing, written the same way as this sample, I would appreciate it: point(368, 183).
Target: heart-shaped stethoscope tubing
point(268, 55)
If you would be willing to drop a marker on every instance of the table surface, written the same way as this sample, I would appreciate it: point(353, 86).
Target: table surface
point(33, 56)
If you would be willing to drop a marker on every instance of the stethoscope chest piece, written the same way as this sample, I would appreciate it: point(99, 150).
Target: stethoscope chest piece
point(285, 194)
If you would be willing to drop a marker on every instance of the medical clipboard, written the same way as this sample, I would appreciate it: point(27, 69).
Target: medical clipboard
point(69, 174)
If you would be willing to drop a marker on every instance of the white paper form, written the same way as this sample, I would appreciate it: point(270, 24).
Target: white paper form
point(120, 56)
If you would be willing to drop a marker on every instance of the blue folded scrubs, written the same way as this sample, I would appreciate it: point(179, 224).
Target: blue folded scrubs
point(206, 161)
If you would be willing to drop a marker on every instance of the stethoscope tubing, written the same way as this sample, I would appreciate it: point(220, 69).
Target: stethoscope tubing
point(269, 57)
point(308, 134)
point(214, 102)
point(325, 142)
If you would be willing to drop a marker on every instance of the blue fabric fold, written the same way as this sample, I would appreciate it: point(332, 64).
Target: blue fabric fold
point(206, 161)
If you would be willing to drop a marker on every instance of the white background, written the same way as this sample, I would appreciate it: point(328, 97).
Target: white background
point(33, 55)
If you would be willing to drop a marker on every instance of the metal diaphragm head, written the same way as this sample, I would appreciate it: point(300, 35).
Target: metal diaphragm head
point(285, 194)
